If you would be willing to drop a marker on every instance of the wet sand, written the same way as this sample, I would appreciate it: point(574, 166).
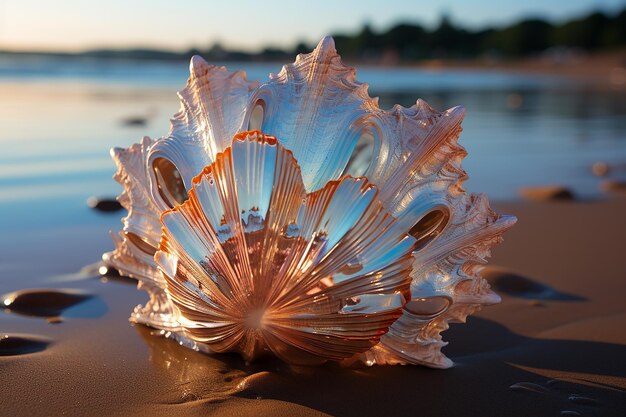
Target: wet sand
point(554, 346)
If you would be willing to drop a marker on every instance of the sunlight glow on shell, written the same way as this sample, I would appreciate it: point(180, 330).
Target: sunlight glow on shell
point(297, 218)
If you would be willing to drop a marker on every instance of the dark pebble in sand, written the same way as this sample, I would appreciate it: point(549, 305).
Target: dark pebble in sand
point(579, 399)
point(547, 193)
point(135, 121)
point(519, 286)
point(554, 382)
point(613, 186)
point(11, 345)
point(111, 274)
point(600, 169)
point(104, 204)
point(529, 386)
point(104, 270)
point(55, 320)
point(43, 302)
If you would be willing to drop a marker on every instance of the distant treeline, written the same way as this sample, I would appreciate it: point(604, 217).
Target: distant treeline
point(410, 42)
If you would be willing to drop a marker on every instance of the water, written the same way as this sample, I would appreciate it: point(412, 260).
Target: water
point(60, 117)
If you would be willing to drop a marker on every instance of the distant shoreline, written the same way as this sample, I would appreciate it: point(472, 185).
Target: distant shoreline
point(606, 70)
point(603, 70)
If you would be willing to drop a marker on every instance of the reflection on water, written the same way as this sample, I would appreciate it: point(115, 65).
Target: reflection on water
point(60, 117)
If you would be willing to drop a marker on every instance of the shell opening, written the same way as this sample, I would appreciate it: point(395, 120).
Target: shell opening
point(428, 307)
point(362, 155)
point(169, 182)
point(430, 226)
point(256, 115)
point(141, 243)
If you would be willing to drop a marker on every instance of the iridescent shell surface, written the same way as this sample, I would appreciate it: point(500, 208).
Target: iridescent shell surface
point(297, 218)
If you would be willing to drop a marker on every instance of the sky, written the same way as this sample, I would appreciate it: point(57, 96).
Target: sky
point(247, 25)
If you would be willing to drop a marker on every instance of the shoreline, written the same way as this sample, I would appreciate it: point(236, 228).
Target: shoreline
point(555, 336)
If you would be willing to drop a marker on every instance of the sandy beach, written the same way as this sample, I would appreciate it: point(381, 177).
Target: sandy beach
point(117, 157)
point(554, 346)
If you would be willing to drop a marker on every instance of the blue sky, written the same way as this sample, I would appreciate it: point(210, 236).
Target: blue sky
point(176, 24)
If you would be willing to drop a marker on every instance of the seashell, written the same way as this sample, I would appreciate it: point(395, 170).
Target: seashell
point(298, 218)
point(254, 263)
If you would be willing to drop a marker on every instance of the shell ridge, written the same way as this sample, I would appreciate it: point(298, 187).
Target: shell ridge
point(474, 228)
point(127, 257)
point(236, 170)
point(320, 131)
point(213, 105)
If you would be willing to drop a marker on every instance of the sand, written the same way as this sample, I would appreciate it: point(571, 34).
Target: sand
point(556, 343)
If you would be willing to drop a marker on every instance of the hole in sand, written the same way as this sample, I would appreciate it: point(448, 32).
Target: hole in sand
point(43, 302)
point(11, 345)
point(513, 284)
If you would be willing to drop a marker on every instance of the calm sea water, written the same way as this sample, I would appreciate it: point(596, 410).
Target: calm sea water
point(60, 117)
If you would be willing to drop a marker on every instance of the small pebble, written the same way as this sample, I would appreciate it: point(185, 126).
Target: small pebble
point(547, 193)
point(600, 169)
point(134, 121)
point(514, 101)
point(579, 399)
point(613, 186)
point(108, 271)
point(104, 204)
point(529, 386)
point(553, 382)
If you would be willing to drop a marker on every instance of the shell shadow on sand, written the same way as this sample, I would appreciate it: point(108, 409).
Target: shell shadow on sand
point(197, 377)
point(508, 361)
point(516, 285)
